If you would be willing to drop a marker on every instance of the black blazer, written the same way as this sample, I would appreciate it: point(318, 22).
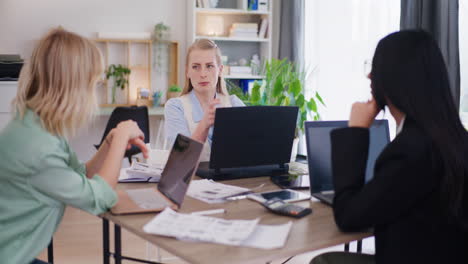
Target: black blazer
point(402, 201)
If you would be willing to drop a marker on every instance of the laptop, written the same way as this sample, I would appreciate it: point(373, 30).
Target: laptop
point(175, 179)
point(318, 141)
point(250, 141)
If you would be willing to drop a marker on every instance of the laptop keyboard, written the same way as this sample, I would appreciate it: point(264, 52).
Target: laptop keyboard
point(147, 198)
point(328, 195)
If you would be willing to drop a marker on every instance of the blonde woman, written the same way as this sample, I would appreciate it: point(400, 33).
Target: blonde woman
point(39, 173)
point(193, 113)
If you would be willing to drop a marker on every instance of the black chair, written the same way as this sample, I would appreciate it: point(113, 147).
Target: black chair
point(138, 114)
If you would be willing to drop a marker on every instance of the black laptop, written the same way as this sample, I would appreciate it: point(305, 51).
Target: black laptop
point(250, 141)
point(317, 135)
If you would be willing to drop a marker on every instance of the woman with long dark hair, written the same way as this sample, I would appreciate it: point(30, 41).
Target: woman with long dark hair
point(417, 201)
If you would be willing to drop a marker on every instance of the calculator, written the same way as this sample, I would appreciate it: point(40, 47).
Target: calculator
point(281, 207)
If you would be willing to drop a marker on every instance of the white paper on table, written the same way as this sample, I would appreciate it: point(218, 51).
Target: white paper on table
point(268, 236)
point(200, 228)
point(213, 192)
point(140, 172)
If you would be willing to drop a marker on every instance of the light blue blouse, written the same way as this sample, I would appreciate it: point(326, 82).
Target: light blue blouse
point(175, 121)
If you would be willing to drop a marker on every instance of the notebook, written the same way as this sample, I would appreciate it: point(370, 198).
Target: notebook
point(175, 179)
point(318, 141)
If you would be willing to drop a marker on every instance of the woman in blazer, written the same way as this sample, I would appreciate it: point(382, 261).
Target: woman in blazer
point(417, 201)
point(193, 113)
point(39, 174)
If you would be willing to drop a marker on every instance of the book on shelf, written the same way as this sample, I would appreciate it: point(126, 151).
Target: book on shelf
point(243, 34)
point(253, 5)
point(244, 25)
point(263, 28)
point(263, 5)
point(244, 30)
point(242, 4)
point(240, 70)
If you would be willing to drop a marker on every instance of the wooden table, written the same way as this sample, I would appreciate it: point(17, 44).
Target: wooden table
point(309, 233)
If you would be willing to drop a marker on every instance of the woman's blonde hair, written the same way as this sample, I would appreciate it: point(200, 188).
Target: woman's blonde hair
point(204, 44)
point(58, 83)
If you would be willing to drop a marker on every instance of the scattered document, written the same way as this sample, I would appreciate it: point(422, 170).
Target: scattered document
point(269, 236)
point(200, 228)
point(140, 172)
point(297, 168)
point(191, 227)
point(214, 192)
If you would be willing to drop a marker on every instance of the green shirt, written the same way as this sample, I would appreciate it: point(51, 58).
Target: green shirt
point(39, 176)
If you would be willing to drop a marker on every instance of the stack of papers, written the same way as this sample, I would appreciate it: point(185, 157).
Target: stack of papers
point(209, 191)
point(140, 172)
point(215, 230)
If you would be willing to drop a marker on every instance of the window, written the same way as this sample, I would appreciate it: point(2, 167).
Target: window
point(463, 44)
point(340, 39)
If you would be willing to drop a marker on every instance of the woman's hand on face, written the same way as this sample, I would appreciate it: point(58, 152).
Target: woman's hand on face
point(209, 116)
point(363, 114)
point(130, 131)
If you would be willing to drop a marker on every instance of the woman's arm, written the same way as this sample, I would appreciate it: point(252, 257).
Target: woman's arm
point(201, 132)
point(93, 165)
point(174, 120)
point(108, 159)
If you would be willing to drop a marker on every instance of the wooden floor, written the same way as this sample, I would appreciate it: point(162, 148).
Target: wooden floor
point(79, 241)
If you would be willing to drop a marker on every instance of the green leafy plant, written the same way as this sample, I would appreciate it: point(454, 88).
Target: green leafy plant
point(284, 86)
point(237, 91)
point(120, 74)
point(161, 34)
point(175, 89)
point(161, 31)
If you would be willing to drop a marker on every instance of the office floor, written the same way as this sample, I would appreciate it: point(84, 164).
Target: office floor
point(79, 240)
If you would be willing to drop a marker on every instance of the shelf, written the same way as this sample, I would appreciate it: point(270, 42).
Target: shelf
point(152, 111)
point(233, 39)
point(244, 76)
point(139, 67)
point(232, 11)
point(125, 40)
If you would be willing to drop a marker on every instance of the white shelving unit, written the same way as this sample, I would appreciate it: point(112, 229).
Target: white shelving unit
point(201, 24)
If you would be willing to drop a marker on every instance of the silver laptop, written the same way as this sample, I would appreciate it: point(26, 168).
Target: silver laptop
point(318, 141)
point(175, 179)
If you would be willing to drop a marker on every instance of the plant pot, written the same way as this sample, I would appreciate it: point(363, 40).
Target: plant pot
point(173, 95)
point(294, 149)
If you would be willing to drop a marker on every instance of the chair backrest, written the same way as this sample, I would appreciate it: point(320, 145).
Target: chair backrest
point(138, 114)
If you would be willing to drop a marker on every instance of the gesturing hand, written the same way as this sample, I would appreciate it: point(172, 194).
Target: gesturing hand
point(209, 116)
point(130, 131)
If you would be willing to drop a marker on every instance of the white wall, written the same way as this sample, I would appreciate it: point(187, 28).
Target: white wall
point(22, 22)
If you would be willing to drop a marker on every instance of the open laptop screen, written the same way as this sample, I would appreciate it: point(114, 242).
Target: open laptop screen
point(319, 150)
point(252, 136)
point(180, 167)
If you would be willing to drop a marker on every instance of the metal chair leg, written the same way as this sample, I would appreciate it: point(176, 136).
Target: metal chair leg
point(359, 246)
point(50, 252)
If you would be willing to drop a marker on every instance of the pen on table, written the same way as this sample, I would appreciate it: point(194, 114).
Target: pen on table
point(209, 212)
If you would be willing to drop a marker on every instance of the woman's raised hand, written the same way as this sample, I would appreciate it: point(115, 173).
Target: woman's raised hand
point(363, 114)
point(209, 116)
point(129, 131)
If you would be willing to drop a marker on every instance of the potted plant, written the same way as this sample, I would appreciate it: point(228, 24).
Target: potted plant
point(120, 74)
point(174, 91)
point(161, 35)
point(284, 86)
